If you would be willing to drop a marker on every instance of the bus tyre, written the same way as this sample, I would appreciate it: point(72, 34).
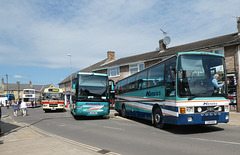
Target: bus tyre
point(158, 118)
point(123, 113)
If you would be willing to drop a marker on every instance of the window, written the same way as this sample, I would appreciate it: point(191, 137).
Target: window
point(156, 75)
point(118, 87)
point(195, 75)
point(218, 51)
point(113, 72)
point(142, 80)
point(28, 92)
point(124, 85)
point(132, 83)
point(135, 68)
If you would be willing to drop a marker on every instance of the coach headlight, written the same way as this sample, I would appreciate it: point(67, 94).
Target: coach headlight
point(226, 108)
point(190, 119)
point(219, 108)
point(186, 110)
point(189, 110)
point(199, 109)
point(227, 117)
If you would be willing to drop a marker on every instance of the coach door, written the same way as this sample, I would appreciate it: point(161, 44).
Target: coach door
point(170, 78)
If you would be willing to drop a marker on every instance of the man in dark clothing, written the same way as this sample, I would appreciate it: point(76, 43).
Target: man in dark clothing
point(32, 104)
point(0, 119)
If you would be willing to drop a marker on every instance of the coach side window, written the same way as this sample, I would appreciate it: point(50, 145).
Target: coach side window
point(156, 75)
point(117, 87)
point(124, 85)
point(142, 80)
point(132, 83)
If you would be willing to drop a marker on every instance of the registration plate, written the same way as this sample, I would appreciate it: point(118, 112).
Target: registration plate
point(93, 112)
point(211, 122)
point(53, 108)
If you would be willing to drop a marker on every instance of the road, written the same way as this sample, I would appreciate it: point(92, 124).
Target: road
point(134, 136)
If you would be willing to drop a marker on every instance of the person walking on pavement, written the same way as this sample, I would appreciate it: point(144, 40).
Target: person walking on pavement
point(1, 133)
point(15, 109)
point(32, 104)
point(8, 104)
point(24, 108)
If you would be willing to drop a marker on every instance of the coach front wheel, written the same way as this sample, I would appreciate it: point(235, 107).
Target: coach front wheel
point(158, 118)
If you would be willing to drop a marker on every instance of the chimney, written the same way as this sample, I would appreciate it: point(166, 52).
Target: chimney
point(238, 25)
point(162, 46)
point(110, 56)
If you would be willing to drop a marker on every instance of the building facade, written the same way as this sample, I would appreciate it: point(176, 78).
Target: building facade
point(17, 88)
point(227, 45)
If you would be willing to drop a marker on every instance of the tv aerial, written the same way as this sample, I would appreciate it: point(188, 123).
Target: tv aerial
point(166, 39)
point(164, 33)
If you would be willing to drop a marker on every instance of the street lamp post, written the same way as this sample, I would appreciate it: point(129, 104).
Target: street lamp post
point(18, 84)
point(70, 78)
point(7, 82)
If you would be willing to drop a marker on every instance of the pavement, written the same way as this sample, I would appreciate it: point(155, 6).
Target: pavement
point(21, 138)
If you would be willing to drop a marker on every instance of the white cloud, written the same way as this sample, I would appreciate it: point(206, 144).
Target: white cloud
point(42, 33)
point(18, 77)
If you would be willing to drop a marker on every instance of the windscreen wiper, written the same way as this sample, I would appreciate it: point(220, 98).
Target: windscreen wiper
point(198, 95)
point(192, 97)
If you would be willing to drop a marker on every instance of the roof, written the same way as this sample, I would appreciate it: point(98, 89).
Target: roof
point(203, 45)
point(135, 58)
point(88, 69)
point(14, 87)
point(41, 87)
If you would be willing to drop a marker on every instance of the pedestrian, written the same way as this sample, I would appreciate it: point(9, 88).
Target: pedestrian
point(8, 104)
point(15, 108)
point(24, 108)
point(32, 104)
point(1, 133)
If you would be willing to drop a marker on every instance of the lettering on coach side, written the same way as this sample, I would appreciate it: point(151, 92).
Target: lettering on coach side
point(153, 93)
point(209, 103)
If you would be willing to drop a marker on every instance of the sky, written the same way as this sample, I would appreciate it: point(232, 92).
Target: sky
point(37, 35)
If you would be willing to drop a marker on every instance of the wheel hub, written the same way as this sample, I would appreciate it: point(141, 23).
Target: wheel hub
point(157, 118)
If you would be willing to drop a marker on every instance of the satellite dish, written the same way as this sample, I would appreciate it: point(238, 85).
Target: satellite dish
point(166, 40)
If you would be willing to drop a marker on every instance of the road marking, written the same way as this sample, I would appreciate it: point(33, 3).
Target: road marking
point(109, 127)
point(122, 118)
point(216, 141)
point(90, 123)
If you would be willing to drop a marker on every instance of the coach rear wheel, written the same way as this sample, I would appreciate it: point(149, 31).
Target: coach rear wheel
point(158, 118)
